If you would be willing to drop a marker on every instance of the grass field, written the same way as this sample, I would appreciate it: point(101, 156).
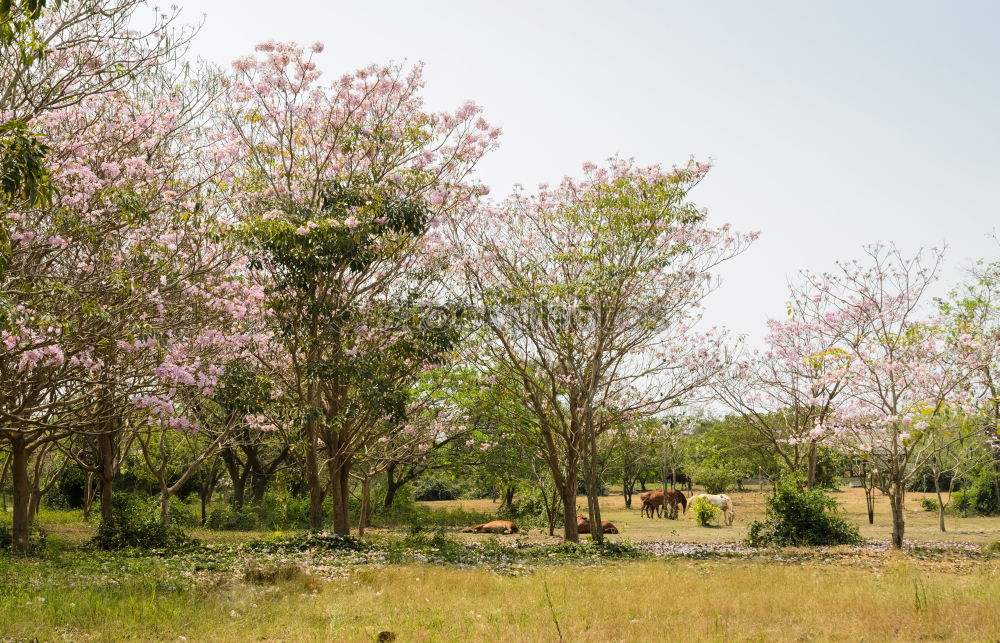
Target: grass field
point(921, 526)
point(214, 594)
point(651, 600)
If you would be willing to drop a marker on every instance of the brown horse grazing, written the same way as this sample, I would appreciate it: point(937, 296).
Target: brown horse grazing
point(655, 500)
point(674, 498)
point(495, 527)
point(583, 525)
point(651, 500)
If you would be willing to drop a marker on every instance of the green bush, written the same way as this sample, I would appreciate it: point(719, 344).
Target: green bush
point(272, 513)
point(438, 486)
point(801, 517)
point(37, 538)
point(705, 513)
point(961, 503)
point(308, 541)
point(414, 515)
point(229, 519)
point(978, 498)
point(715, 479)
point(929, 504)
point(136, 523)
point(830, 468)
point(528, 510)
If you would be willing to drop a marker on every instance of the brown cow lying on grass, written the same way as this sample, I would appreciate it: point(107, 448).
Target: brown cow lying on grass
point(495, 527)
point(583, 525)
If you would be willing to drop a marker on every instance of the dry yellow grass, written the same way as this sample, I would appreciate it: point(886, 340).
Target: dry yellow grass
point(871, 595)
point(649, 601)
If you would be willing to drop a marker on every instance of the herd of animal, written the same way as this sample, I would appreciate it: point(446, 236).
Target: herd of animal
point(668, 504)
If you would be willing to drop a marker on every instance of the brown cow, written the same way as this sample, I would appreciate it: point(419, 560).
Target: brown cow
point(494, 527)
point(583, 525)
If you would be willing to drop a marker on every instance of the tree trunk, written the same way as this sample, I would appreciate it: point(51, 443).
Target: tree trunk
point(164, 508)
point(88, 494)
point(554, 514)
point(896, 496)
point(107, 508)
point(391, 486)
point(235, 476)
point(365, 501)
point(628, 487)
point(258, 487)
point(3, 483)
point(508, 496)
point(811, 474)
point(568, 492)
point(205, 495)
point(106, 453)
point(340, 471)
point(937, 490)
point(593, 488)
point(22, 495)
point(35, 500)
point(868, 482)
point(594, 511)
point(313, 477)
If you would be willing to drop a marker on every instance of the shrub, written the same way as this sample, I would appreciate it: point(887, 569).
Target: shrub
point(37, 538)
point(992, 549)
point(309, 541)
point(68, 490)
point(801, 517)
point(830, 468)
point(230, 519)
point(979, 497)
point(414, 515)
point(961, 503)
point(136, 523)
point(705, 513)
point(716, 479)
point(528, 510)
point(983, 494)
point(929, 504)
point(437, 487)
point(272, 513)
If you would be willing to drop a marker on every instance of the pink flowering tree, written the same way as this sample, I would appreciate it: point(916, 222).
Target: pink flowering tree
point(902, 374)
point(588, 293)
point(787, 392)
point(343, 194)
point(54, 57)
point(974, 310)
point(123, 280)
point(51, 313)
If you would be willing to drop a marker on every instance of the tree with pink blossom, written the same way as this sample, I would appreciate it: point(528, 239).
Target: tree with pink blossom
point(902, 373)
point(787, 392)
point(588, 293)
point(119, 291)
point(343, 194)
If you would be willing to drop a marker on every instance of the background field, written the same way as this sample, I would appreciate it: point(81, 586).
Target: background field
point(921, 526)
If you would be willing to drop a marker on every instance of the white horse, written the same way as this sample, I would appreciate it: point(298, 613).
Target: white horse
point(722, 501)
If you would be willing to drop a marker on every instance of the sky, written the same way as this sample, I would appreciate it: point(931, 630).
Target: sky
point(831, 124)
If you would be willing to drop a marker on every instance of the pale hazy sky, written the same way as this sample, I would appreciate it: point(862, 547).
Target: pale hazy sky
point(832, 124)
